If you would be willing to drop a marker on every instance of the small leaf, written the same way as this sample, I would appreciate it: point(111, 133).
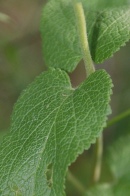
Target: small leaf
point(100, 190)
point(4, 18)
point(113, 189)
point(52, 124)
point(119, 162)
point(118, 157)
point(108, 29)
point(111, 30)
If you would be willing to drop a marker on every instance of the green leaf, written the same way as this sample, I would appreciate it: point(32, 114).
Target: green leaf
point(118, 157)
point(108, 29)
point(4, 18)
point(123, 186)
point(101, 4)
point(115, 189)
point(100, 190)
point(119, 162)
point(2, 133)
point(52, 124)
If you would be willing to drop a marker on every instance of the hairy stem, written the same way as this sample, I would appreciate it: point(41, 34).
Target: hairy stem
point(74, 181)
point(118, 118)
point(83, 39)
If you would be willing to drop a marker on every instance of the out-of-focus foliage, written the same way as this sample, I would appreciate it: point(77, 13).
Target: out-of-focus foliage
point(20, 52)
point(119, 162)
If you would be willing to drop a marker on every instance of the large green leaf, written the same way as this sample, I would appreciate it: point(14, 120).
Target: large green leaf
point(52, 124)
point(108, 28)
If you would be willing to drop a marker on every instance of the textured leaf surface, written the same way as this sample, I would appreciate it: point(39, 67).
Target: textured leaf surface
point(108, 27)
point(52, 123)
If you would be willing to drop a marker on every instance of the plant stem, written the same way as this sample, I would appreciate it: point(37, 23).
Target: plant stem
point(98, 151)
point(99, 146)
point(98, 154)
point(118, 118)
point(83, 39)
point(75, 183)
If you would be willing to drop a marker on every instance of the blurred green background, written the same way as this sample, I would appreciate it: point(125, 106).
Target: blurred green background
point(21, 60)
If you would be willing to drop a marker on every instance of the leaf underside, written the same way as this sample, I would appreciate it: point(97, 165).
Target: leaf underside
point(52, 124)
point(108, 28)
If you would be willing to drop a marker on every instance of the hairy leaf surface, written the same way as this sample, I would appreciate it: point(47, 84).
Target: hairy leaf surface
point(108, 28)
point(52, 124)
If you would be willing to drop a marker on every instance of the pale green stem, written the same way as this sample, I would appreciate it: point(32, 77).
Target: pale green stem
point(98, 151)
point(99, 146)
point(83, 39)
point(74, 181)
point(118, 118)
